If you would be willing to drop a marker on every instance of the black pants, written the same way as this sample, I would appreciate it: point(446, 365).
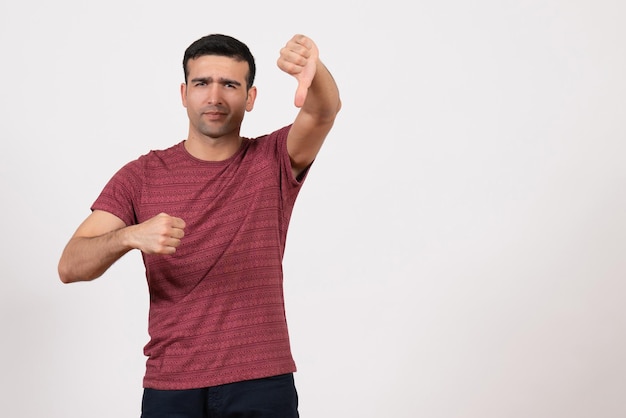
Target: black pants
point(272, 397)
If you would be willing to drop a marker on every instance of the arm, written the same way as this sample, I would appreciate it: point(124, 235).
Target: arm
point(103, 238)
point(317, 97)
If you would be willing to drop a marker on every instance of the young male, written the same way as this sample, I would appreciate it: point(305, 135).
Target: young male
point(210, 217)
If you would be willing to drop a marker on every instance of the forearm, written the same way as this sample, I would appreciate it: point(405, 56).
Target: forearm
point(87, 258)
point(322, 101)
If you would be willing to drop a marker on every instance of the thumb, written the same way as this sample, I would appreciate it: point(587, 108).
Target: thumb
point(305, 78)
point(301, 91)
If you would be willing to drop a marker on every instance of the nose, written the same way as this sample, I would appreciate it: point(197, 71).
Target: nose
point(214, 94)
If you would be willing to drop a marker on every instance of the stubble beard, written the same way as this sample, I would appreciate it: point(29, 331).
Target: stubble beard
point(215, 130)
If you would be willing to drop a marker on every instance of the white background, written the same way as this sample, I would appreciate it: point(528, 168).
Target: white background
point(458, 250)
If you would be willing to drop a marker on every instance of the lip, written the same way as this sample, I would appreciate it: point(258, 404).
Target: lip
point(213, 115)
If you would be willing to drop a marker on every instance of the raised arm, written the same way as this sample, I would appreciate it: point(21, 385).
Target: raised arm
point(103, 238)
point(317, 97)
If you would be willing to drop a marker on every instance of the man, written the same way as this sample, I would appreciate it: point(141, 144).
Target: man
point(210, 217)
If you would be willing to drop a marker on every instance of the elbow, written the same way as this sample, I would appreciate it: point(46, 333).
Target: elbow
point(328, 116)
point(68, 275)
point(65, 274)
point(331, 113)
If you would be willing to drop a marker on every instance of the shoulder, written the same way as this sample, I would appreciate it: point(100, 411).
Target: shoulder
point(154, 159)
point(277, 135)
point(135, 171)
point(270, 142)
point(168, 155)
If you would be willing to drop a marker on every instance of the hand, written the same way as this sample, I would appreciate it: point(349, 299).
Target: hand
point(299, 59)
point(159, 235)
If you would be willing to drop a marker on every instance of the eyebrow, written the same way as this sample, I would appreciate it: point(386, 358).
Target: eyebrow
point(208, 80)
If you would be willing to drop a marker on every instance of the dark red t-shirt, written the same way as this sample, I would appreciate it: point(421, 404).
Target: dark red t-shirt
point(216, 306)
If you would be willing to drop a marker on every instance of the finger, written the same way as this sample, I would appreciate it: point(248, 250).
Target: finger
point(302, 40)
point(178, 223)
point(301, 92)
point(177, 233)
point(168, 246)
point(173, 243)
point(166, 250)
point(305, 79)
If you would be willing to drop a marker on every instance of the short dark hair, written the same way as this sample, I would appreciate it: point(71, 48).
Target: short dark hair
point(223, 45)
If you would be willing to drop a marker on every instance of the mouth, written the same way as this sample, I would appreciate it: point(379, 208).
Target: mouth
point(213, 115)
point(214, 112)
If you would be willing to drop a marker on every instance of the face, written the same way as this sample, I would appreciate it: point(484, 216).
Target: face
point(216, 96)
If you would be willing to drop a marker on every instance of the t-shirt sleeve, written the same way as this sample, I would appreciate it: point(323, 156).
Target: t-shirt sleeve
point(281, 140)
point(121, 193)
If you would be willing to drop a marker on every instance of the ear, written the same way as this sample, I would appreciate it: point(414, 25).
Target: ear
point(251, 98)
point(183, 93)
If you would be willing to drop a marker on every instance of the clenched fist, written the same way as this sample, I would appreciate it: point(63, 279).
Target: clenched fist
point(159, 235)
point(299, 59)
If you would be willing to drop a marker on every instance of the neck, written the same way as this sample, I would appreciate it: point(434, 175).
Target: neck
point(212, 149)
